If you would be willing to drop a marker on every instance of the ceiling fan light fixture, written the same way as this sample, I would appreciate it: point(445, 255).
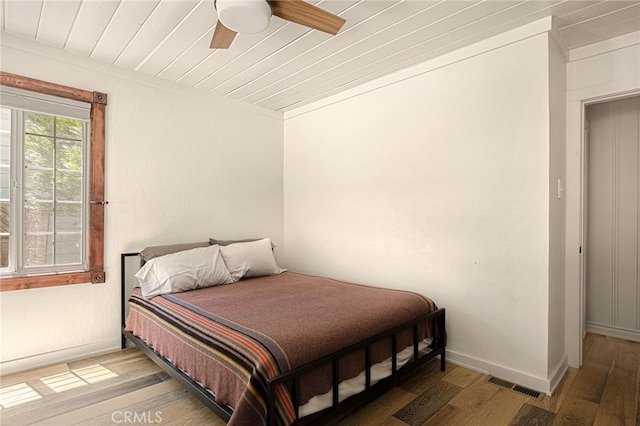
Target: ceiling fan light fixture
point(244, 16)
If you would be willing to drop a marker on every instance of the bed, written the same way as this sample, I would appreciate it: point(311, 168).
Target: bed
point(277, 347)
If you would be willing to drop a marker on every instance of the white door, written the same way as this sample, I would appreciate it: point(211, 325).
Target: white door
point(613, 214)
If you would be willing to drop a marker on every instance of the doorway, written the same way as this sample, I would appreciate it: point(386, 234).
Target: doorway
point(612, 218)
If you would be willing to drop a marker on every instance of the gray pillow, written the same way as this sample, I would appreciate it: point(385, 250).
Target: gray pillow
point(156, 251)
point(213, 241)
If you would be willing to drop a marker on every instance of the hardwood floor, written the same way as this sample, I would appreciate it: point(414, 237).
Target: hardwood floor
point(604, 391)
point(125, 387)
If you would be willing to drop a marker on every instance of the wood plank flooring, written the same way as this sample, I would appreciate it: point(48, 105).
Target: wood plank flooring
point(125, 387)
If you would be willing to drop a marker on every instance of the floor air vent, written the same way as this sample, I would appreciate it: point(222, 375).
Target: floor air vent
point(516, 388)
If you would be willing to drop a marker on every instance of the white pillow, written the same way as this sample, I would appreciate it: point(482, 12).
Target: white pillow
point(252, 259)
point(184, 270)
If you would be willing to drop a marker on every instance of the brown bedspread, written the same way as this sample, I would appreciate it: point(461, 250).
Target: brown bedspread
point(230, 338)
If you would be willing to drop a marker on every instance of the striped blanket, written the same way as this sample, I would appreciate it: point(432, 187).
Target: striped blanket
point(231, 338)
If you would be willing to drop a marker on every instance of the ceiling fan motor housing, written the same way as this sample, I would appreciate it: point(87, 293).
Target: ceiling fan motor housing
point(244, 16)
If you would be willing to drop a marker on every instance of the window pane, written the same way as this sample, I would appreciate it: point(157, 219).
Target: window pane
point(68, 248)
point(5, 136)
point(69, 155)
point(53, 190)
point(4, 233)
point(68, 217)
point(5, 153)
point(5, 185)
point(38, 151)
point(38, 250)
point(38, 217)
point(38, 184)
point(4, 251)
point(68, 186)
point(68, 128)
point(38, 124)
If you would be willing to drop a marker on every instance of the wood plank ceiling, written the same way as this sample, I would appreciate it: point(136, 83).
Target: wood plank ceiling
point(288, 65)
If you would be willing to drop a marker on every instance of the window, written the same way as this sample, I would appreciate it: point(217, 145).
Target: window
point(51, 184)
point(43, 191)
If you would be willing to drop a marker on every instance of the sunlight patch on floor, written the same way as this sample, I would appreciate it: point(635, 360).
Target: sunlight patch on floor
point(94, 373)
point(17, 394)
point(22, 392)
point(63, 381)
point(78, 377)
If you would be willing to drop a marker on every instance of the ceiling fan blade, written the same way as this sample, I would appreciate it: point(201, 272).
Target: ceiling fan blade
point(306, 14)
point(222, 37)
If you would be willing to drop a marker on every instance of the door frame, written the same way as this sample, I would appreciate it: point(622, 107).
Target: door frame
point(576, 208)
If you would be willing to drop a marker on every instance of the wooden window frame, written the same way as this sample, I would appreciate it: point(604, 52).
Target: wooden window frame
point(98, 101)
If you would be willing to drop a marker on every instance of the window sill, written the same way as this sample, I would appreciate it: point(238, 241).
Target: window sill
point(39, 281)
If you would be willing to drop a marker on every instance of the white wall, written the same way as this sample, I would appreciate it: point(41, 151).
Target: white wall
point(180, 166)
point(594, 73)
point(439, 182)
point(557, 359)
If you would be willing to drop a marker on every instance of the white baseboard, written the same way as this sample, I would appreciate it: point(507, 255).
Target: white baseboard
point(56, 357)
point(558, 373)
point(540, 384)
point(613, 331)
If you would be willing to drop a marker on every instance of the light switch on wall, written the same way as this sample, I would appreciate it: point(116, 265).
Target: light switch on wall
point(560, 188)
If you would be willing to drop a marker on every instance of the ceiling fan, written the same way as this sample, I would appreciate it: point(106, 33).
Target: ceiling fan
point(252, 16)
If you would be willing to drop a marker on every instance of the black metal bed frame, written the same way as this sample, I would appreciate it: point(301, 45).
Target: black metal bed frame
point(291, 377)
